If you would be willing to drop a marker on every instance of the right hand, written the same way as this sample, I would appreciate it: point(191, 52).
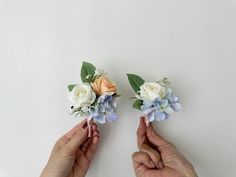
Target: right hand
point(157, 157)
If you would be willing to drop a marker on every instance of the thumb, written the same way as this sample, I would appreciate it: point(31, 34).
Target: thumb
point(77, 140)
point(155, 138)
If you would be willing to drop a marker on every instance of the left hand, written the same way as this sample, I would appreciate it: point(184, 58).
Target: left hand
point(73, 152)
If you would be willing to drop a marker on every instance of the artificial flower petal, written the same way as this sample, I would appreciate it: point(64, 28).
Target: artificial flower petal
point(168, 110)
point(112, 117)
point(96, 98)
point(155, 99)
point(160, 116)
point(100, 118)
point(151, 116)
point(176, 106)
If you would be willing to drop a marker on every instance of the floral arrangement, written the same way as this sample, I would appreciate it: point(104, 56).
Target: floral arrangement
point(155, 99)
point(96, 98)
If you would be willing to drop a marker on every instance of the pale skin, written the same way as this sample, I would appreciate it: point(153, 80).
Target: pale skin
point(73, 154)
point(157, 157)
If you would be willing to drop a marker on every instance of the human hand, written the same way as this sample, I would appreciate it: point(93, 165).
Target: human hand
point(72, 154)
point(157, 157)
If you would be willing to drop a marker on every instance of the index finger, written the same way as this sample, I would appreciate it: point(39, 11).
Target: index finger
point(141, 132)
point(155, 138)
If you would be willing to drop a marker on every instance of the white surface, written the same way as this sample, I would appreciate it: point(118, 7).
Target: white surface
point(42, 44)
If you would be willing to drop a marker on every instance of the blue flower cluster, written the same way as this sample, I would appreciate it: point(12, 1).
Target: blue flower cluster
point(105, 109)
point(160, 108)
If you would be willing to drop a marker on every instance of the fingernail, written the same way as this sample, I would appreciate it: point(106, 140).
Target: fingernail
point(85, 125)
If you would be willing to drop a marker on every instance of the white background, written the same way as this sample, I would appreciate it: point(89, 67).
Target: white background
point(42, 45)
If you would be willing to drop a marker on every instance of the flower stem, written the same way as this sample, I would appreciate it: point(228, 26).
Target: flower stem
point(89, 128)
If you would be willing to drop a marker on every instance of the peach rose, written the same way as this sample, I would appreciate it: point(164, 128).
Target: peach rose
point(103, 85)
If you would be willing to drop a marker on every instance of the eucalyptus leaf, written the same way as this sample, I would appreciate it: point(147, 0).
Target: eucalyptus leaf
point(87, 72)
point(71, 86)
point(135, 81)
point(137, 104)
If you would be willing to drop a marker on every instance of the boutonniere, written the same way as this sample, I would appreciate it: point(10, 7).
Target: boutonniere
point(96, 98)
point(155, 99)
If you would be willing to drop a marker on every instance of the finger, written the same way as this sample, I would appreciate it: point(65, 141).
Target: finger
point(153, 154)
point(89, 153)
point(94, 127)
point(154, 137)
point(95, 132)
point(142, 158)
point(83, 147)
point(67, 137)
point(167, 171)
point(160, 172)
point(141, 132)
point(77, 140)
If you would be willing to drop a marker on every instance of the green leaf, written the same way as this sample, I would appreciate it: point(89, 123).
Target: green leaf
point(135, 81)
point(137, 104)
point(70, 87)
point(87, 72)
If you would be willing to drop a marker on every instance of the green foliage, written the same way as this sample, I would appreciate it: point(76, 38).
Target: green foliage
point(70, 87)
point(137, 104)
point(87, 72)
point(135, 82)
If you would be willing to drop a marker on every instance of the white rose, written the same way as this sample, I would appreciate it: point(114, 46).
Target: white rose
point(149, 91)
point(82, 95)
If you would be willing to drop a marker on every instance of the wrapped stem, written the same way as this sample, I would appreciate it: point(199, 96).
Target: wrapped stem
point(89, 127)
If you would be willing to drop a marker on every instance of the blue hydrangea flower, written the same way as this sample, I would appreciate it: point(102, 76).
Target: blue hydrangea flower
point(173, 100)
point(160, 108)
point(105, 109)
point(154, 110)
